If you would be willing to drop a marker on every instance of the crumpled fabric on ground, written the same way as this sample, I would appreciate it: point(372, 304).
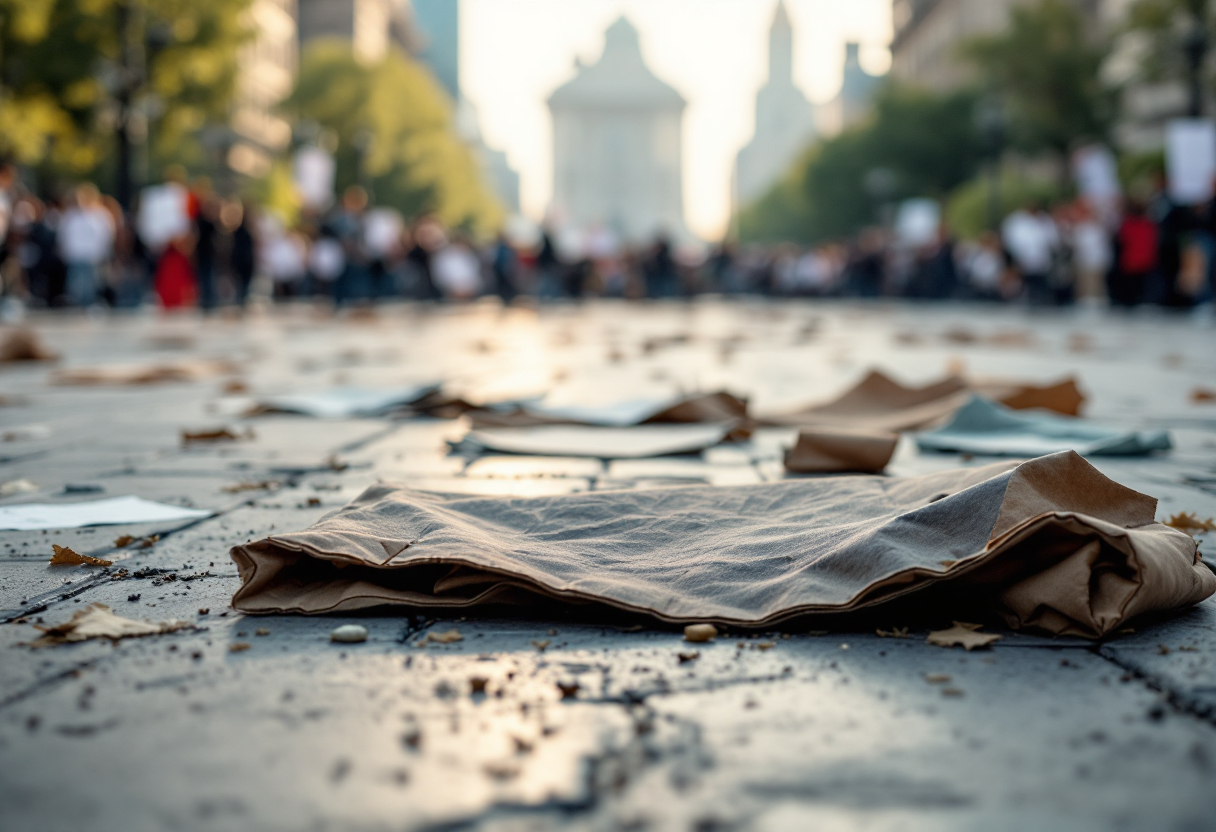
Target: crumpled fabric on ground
point(984, 427)
point(879, 402)
point(1049, 544)
point(840, 451)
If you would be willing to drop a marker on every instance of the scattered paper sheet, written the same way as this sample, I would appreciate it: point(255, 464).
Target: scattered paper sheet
point(110, 512)
point(984, 427)
point(1049, 544)
point(598, 442)
point(97, 621)
point(697, 409)
point(839, 451)
point(345, 402)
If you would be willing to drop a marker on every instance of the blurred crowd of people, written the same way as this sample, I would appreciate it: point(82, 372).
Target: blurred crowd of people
point(182, 245)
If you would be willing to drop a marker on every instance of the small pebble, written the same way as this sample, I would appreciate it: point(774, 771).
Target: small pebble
point(699, 633)
point(349, 634)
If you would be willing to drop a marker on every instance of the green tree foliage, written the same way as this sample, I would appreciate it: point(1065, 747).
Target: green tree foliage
point(1162, 27)
point(921, 143)
point(62, 63)
point(1046, 68)
point(395, 134)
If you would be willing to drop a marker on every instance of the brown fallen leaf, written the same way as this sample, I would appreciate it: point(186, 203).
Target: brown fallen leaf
point(1189, 523)
point(239, 646)
point(894, 632)
point(24, 345)
point(937, 678)
point(765, 645)
point(477, 684)
point(149, 541)
point(235, 387)
point(66, 557)
point(240, 487)
point(215, 435)
point(685, 658)
point(1203, 395)
point(540, 643)
point(569, 689)
point(962, 635)
point(123, 541)
point(97, 621)
point(449, 637)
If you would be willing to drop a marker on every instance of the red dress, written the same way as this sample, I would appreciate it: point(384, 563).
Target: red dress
point(174, 280)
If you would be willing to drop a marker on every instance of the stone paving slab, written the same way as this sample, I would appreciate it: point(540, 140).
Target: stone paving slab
point(838, 729)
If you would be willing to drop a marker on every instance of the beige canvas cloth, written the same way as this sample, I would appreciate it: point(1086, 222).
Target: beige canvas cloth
point(879, 402)
point(1050, 544)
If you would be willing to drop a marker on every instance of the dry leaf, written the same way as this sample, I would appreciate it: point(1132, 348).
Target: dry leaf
point(217, 435)
point(540, 644)
point(1187, 522)
point(264, 485)
point(765, 645)
point(235, 387)
point(149, 541)
point(962, 635)
point(97, 621)
point(1203, 395)
point(122, 541)
point(937, 678)
point(239, 646)
point(569, 689)
point(66, 557)
point(477, 684)
point(450, 637)
point(688, 657)
point(24, 345)
point(894, 632)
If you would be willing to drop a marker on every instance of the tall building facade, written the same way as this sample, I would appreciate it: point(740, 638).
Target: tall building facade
point(785, 119)
point(618, 144)
point(436, 24)
point(857, 89)
point(268, 62)
point(371, 26)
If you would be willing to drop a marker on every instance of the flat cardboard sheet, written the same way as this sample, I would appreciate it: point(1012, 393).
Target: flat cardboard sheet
point(984, 427)
point(1049, 544)
point(113, 511)
point(345, 402)
point(840, 451)
point(598, 442)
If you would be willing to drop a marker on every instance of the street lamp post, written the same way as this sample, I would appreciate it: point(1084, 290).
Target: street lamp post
point(1196, 46)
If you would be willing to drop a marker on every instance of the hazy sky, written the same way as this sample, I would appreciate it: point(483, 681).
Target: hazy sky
point(514, 53)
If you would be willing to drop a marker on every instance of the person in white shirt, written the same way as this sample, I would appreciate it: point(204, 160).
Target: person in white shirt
point(457, 271)
point(1093, 253)
point(86, 243)
point(1032, 240)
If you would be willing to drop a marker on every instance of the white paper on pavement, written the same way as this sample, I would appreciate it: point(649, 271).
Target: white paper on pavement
point(109, 512)
point(616, 414)
point(1190, 159)
point(599, 442)
point(346, 402)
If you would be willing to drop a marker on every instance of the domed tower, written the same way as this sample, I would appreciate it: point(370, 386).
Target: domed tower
point(618, 144)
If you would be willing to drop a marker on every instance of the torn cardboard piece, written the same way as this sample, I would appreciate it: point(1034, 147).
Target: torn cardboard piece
point(839, 451)
point(985, 427)
point(598, 442)
point(110, 512)
point(879, 402)
point(98, 621)
point(345, 402)
point(1049, 544)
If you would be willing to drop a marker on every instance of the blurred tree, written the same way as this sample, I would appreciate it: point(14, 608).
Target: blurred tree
point(395, 134)
point(1173, 40)
point(915, 143)
point(70, 69)
point(1045, 67)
